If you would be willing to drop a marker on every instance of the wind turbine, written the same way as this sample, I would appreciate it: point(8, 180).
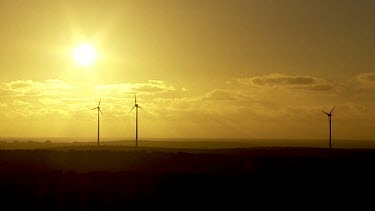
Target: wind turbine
point(330, 125)
point(98, 108)
point(136, 106)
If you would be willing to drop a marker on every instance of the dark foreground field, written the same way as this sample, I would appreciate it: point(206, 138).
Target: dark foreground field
point(106, 178)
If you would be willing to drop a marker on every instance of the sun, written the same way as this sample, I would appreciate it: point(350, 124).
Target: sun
point(84, 55)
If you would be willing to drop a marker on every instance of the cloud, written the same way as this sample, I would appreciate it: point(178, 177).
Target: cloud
point(362, 85)
point(219, 94)
point(35, 88)
point(149, 88)
point(43, 91)
point(165, 104)
point(50, 101)
point(18, 102)
point(291, 82)
point(229, 110)
point(366, 78)
point(60, 99)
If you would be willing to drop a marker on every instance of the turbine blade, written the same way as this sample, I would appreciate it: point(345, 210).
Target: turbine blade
point(99, 102)
point(332, 109)
point(135, 99)
point(94, 108)
point(101, 112)
point(131, 109)
point(325, 112)
point(143, 109)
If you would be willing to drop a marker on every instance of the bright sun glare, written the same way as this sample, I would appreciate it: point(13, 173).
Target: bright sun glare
point(84, 55)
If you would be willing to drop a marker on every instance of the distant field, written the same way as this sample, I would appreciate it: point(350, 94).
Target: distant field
point(42, 143)
point(107, 177)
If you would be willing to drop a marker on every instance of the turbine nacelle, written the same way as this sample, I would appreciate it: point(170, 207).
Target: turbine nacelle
point(98, 107)
point(330, 113)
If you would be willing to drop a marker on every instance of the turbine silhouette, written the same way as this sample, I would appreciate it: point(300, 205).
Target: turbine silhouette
point(330, 125)
point(136, 106)
point(98, 108)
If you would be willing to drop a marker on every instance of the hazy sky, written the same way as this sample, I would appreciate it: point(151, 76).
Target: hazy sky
point(230, 68)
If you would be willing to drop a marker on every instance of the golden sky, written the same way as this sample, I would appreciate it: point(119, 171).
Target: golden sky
point(200, 68)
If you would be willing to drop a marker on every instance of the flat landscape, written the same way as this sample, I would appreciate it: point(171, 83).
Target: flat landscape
point(85, 176)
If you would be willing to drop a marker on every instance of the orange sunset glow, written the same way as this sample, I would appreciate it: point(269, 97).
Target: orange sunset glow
point(202, 69)
point(150, 103)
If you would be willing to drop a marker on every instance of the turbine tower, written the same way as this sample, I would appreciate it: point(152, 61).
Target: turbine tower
point(98, 108)
point(330, 126)
point(136, 106)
